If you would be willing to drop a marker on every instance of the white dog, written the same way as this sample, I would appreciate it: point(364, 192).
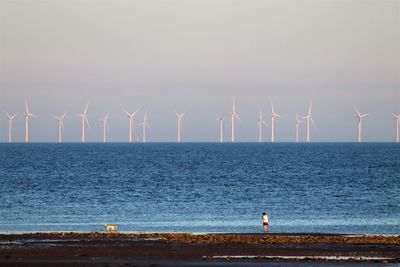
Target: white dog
point(110, 228)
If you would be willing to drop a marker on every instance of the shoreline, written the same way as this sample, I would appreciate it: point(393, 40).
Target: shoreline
point(187, 249)
point(331, 238)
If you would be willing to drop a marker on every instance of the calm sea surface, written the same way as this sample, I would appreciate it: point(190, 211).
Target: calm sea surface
point(201, 187)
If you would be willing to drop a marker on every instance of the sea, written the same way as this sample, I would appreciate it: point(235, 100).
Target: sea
point(347, 188)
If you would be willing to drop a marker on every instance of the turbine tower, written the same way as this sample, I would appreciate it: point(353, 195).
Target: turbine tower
point(131, 117)
point(179, 117)
point(234, 116)
point(360, 116)
point(60, 125)
point(273, 116)
point(84, 121)
point(298, 121)
point(145, 125)
point(397, 118)
point(27, 116)
point(309, 119)
point(105, 126)
point(260, 124)
point(10, 121)
point(221, 128)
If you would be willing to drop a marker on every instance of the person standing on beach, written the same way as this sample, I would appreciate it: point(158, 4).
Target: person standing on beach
point(265, 222)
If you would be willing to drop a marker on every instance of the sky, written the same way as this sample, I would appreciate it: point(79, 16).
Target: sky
point(195, 56)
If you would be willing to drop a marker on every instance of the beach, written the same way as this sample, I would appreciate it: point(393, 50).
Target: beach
point(186, 249)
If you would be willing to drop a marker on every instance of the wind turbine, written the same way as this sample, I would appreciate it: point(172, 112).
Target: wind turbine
point(84, 120)
point(179, 117)
point(60, 125)
point(131, 117)
point(360, 116)
point(105, 126)
point(27, 116)
point(298, 121)
point(221, 128)
point(309, 119)
point(10, 120)
point(145, 125)
point(273, 116)
point(397, 118)
point(234, 116)
point(260, 124)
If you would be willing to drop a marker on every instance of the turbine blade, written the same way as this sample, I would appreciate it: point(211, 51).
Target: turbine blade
point(312, 121)
point(272, 108)
point(298, 118)
point(127, 113)
point(26, 106)
point(358, 112)
point(87, 122)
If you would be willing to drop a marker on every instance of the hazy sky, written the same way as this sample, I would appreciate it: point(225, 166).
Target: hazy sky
point(194, 56)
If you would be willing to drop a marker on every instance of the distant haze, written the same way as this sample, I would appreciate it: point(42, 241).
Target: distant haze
point(194, 56)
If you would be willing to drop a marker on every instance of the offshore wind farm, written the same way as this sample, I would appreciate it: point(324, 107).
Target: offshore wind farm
point(234, 118)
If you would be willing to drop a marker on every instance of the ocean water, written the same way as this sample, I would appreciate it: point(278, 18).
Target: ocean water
point(201, 187)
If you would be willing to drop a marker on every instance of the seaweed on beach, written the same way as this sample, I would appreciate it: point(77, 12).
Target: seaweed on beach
point(218, 238)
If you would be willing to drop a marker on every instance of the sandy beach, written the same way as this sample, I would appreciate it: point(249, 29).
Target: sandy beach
point(185, 249)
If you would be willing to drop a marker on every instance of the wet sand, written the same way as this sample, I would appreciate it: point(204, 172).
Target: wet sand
point(183, 249)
